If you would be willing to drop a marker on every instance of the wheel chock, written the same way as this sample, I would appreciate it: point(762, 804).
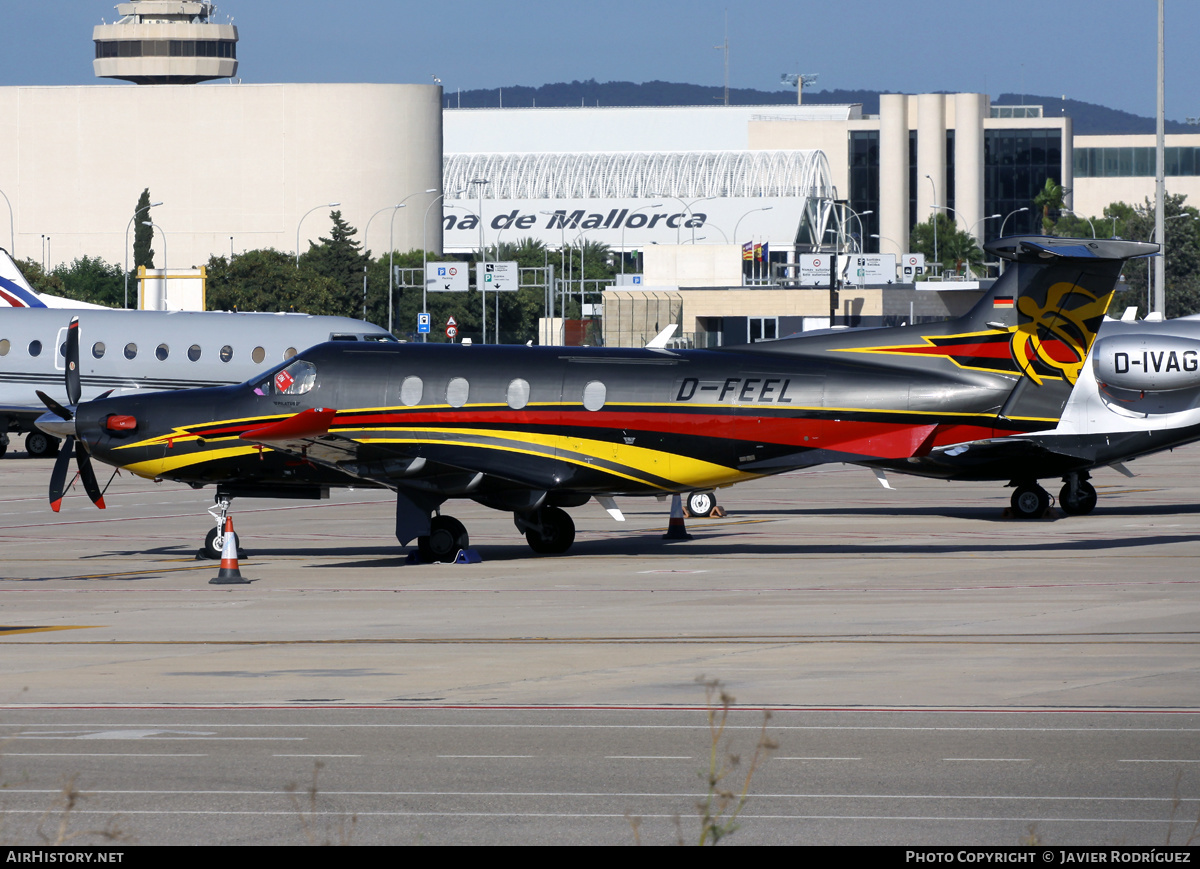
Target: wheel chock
point(467, 556)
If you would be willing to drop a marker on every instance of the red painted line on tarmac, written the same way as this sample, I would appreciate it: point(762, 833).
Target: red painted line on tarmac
point(965, 710)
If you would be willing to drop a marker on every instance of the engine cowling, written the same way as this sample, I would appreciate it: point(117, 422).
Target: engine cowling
point(1154, 363)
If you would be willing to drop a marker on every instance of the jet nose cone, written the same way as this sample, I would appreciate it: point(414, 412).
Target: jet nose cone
point(54, 425)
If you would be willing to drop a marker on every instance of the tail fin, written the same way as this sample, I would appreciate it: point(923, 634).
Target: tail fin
point(15, 291)
point(1051, 300)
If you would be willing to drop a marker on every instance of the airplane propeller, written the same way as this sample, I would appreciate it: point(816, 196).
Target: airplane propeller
point(66, 429)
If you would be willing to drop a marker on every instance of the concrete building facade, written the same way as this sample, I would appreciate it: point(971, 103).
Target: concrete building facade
point(236, 166)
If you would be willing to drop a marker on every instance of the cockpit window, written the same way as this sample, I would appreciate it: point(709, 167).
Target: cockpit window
point(296, 379)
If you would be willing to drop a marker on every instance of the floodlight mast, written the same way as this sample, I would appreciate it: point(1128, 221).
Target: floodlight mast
point(799, 81)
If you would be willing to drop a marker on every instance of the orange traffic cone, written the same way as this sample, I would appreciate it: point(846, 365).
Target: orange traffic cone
point(229, 573)
point(676, 530)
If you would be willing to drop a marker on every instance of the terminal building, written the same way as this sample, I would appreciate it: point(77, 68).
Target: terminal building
point(237, 166)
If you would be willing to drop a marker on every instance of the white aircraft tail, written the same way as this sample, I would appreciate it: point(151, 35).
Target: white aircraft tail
point(15, 291)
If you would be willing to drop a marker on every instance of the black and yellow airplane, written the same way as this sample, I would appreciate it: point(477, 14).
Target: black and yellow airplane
point(533, 430)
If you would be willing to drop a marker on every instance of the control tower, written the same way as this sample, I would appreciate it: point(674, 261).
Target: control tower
point(165, 42)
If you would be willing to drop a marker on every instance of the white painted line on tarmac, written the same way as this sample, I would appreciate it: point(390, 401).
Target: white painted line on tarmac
point(648, 757)
point(485, 756)
point(990, 759)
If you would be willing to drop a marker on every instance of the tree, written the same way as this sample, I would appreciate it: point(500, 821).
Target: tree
point(955, 248)
point(340, 258)
point(1182, 251)
point(143, 236)
point(91, 279)
point(268, 280)
point(1050, 199)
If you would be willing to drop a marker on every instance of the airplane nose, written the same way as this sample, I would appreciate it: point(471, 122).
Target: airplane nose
point(55, 426)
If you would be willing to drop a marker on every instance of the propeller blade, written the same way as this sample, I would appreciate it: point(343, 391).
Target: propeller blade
point(54, 406)
point(58, 478)
point(72, 359)
point(84, 462)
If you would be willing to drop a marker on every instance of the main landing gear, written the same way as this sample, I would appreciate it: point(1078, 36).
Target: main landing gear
point(1077, 497)
point(549, 530)
point(39, 445)
point(446, 537)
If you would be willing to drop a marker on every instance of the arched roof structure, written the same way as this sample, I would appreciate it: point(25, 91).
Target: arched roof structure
point(635, 174)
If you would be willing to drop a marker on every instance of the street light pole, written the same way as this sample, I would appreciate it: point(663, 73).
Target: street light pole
point(933, 218)
point(425, 255)
point(479, 182)
point(127, 225)
point(1004, 222)
point(392, 250)
point(306, 214)
point(12, 235)
point(635, 211)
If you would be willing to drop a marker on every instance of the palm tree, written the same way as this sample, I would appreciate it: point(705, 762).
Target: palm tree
point(1050, 199)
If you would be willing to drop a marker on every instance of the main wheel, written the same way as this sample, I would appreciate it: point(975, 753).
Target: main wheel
point(1084, 501)
point(556, 534)
point(701, 503)
point(1030, 502)
point(39, 445)
point(446, 536)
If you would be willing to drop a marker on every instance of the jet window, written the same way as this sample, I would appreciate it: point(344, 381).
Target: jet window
point(98, 349)
point(594, 394)
point(289, 353)
point(226, 353)
point(457, 391)
point(194, 353)
point(62, 349)
point(161, 352)
point(258, 354)
point(130, 350)
point(35, 348)
point(4, 347)
point(411, 390)
point(518, 393)
point(297, 379)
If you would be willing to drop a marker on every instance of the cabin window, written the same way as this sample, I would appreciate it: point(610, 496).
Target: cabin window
point(593, 395)
point(98, 349)
point(289, 353)
point(457, 391)
point(411, 390)
point(518, 393)
point(4, 345)
point(130, 350)
point(226, 353)
point(161, 352)
point(258, 355)
point(35, 348)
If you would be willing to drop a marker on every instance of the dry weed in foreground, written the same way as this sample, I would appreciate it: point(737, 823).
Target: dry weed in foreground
point(1176, 802)
point(62, 807)
point(720, 807)
point(320, 828)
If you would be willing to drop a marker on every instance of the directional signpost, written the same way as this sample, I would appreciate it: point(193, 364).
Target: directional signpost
point(423, 324)
point(497, 277)
point(448, 277)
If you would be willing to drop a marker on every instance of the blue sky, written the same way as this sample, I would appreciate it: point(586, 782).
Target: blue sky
point(1100, 51)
